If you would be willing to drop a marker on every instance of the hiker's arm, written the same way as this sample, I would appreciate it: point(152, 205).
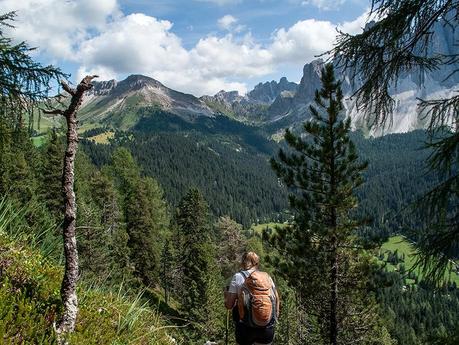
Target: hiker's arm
point(230, 299)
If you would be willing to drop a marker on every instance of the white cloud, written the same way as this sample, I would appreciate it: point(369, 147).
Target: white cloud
point(226, 56)
point(57, 26)
point(226, 22)
point(102, 40)
point(325, 5)
point(302, 41)
point(356, 26)
point(142, 44)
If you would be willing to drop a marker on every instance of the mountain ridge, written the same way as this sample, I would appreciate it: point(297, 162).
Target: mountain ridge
point(273, 105)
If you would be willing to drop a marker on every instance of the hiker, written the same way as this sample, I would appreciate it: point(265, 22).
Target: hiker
point(257, 326)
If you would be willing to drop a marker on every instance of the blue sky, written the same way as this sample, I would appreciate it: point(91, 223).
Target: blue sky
point(194, 46)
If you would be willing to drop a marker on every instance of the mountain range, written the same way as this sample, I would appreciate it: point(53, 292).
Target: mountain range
point(271, 106)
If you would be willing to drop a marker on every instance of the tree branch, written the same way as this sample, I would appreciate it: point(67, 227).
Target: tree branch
point(67, 88)
point(53, 111)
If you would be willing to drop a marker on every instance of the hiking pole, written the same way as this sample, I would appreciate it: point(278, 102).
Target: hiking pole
point(227, 326)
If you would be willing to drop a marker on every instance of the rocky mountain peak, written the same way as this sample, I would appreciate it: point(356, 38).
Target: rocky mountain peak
point(310, 80)
point(228, 96)
point(136, 82)
point(267, 92)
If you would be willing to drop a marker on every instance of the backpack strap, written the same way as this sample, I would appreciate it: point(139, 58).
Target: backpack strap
point(246, 274)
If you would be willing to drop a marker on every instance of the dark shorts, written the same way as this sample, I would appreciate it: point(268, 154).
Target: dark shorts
point(247, 335)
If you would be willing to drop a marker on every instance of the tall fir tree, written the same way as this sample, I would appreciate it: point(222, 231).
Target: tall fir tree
point(145, 214)
point(318, 252)
point(146, 222)
point(201, 299)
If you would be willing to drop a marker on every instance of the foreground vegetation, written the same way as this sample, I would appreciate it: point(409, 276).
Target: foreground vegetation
point(30, 300)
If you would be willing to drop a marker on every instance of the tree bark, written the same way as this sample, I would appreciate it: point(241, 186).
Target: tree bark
point(68, 288)
point(334, 296)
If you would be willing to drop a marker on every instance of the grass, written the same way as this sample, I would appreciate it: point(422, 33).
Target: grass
point(103, 138)
point(86, 126)
point(403, 247)
point(260, 227)
point(39, 140)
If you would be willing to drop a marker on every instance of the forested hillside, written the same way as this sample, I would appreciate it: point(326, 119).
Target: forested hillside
point(237, 180)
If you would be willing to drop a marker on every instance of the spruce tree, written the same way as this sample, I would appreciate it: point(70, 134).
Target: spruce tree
point(318, 252)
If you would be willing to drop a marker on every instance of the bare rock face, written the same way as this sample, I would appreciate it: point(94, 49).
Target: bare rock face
point(253, 106)
point(310, 81)
point(102, 88)
point(224, 98)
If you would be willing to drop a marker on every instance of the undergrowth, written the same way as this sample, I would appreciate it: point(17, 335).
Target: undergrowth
point(30, 298)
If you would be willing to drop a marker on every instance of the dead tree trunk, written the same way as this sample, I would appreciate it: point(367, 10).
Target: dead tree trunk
point(68, 288)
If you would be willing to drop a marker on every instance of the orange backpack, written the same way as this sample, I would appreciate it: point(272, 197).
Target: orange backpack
point(257, 300)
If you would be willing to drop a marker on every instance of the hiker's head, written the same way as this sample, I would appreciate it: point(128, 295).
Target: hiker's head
point(249, 260)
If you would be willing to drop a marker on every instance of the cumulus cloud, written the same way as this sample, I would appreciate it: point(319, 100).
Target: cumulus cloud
point(102, 40)
point(303, 41)
point(142, 44)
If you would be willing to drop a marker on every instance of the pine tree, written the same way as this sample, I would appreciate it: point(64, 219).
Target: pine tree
point(318, 252)
point(145, 214)
point(106, 198)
